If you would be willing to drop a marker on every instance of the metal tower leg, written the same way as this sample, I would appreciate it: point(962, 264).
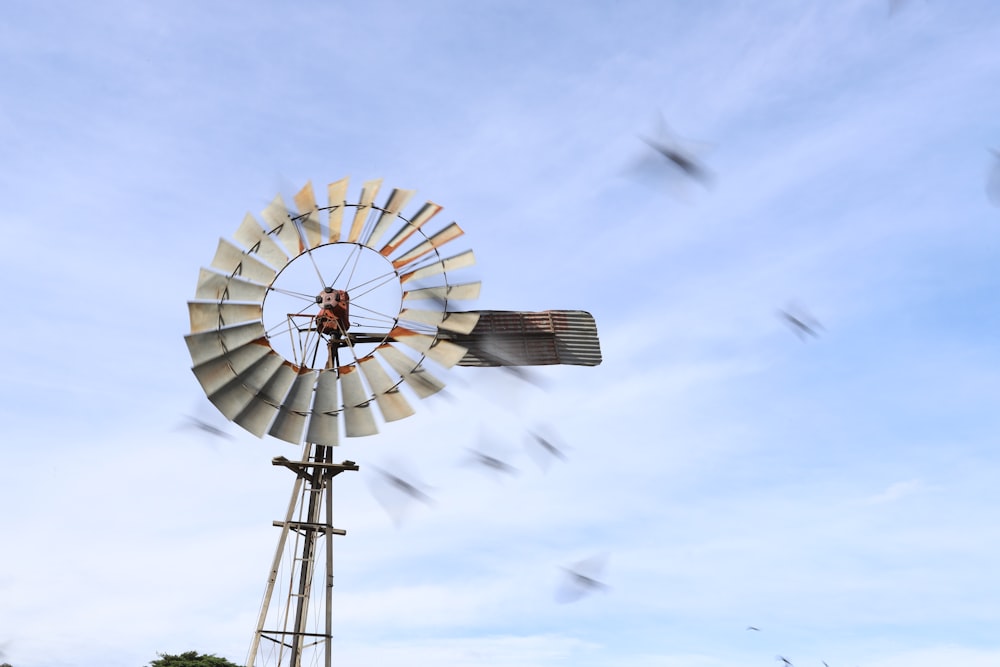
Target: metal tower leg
point(281, 637)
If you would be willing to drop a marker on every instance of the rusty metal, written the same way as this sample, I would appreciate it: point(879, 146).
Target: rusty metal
point(516, 338)
point(337, 196)
point(305, 200)
point(368, 191)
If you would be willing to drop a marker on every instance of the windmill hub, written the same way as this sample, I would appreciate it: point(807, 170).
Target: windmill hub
point(351, 287)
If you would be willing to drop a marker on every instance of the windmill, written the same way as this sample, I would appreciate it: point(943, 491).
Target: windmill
point(314, 321)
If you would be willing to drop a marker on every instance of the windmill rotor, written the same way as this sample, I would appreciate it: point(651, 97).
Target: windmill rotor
point(311, 320)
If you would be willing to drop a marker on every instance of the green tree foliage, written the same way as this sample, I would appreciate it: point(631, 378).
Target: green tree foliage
point(190, 659)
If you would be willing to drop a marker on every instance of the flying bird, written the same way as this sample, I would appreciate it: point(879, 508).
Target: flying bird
point(801, 322)
point(785, 660)
point(400, 484)
point(670, 152)
point(683, 161)
point(543, 450)
point(751, 627)
point(581, 579)
point(396, 492)
point(491, 462)
point(205, 427)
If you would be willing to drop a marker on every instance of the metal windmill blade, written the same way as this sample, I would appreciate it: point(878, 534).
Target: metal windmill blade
point(298, 328)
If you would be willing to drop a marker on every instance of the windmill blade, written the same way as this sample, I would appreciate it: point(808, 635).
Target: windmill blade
point(219, 287)
point(416, 377)
point(391, 402)
point(449, 233)
point(516, 338)
point(426, 212)
point(257, 415)
point(305, 201)
point(398, 199)
point(441, 351)
point(208, 315)
point(358, 418)
point(291, 418)
point(234, 397)
point(459, 261)
point(458, 322)
point(463, 292)
point(257, 241)
point(213, 344)
point(276, 215)
point(368, 191)
point(216, 373)
point(234, 262)
point(323, 429)
point(336, 193)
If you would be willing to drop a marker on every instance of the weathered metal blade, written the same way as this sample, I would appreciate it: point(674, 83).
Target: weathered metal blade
point(259, 412)
point(229, 259)
point(391, 403)
point(426, 212)
point(457, 322)
point(441, 351)
point(513, 338)
point(291, 419)
point(213, 344)
point(256, 241)
point(208, 315)
point(305, 201)
point(368, 191)
point(279, 223)
point(463, 292)
point(459, 261)
point(323, 429)
point(219, 287)
point(216, 373)
point(397, 200)
point(337, 196)
point(358, 417)
point(416, 377)
point(451, 232)
point(234, 397)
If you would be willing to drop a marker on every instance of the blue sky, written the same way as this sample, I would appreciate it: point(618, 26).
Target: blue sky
point(838, 493)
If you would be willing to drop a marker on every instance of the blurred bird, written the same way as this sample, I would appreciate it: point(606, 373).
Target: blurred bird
point(488, 350)
point(669, 148)
point(541, 448)
point(204, 426)
point(993, 180)
point(800, 322)
point(750, 627)
point(785, 660)
point(581, 579)
point(395, 491)
point(491, 462)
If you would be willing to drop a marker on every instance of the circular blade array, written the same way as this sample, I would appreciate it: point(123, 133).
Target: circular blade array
point(299, 324)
